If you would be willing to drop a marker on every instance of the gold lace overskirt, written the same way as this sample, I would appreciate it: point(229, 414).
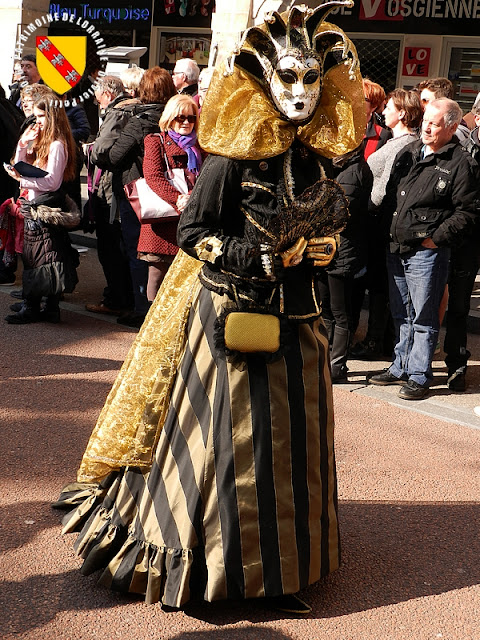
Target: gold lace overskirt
point(131, 420)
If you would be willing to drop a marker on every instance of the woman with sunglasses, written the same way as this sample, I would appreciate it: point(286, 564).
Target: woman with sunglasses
point(125, 159)
point(177, 142)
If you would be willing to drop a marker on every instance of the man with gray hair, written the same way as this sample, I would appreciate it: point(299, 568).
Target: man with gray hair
point(185, 76)
point(432, 205)
point(116, 107)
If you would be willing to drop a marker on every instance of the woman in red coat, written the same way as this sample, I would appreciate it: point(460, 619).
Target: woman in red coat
point(177, 142)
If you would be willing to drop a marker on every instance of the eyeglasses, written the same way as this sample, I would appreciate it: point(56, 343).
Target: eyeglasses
point(176, 73)
point(181, 118)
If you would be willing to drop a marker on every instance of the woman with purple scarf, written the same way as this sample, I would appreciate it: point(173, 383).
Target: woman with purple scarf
point(176, 146)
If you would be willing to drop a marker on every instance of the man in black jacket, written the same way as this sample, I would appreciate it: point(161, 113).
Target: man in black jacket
point(464, 264)
point(116, 107)
point(432, 197)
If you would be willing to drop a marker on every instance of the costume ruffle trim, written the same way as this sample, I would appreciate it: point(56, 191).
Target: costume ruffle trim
point(128, 564)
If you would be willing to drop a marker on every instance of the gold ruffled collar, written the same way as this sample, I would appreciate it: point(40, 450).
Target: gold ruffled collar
point(239, 121)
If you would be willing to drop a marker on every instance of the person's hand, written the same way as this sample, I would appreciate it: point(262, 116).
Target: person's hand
point(182, 201)
point(294, 255)
point(86, 146)
point(428, 243)
point(321, 250)
point(12, 172)
point(30, 134)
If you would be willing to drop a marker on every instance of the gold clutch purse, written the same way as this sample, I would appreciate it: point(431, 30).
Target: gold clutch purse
point(252, 332)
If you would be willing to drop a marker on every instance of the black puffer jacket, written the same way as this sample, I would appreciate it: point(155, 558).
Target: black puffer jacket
point(10, 120)
point(355, 177)
point(115, 118)
point(49, 260)
point(125, 157)
point(435, 197)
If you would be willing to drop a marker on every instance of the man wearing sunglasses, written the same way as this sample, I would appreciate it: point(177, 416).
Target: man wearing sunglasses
point(185, 76)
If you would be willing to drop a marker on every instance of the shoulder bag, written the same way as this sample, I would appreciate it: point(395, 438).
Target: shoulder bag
point(148, 205)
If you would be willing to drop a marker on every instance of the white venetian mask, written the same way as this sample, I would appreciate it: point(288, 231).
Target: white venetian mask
point(296, 87)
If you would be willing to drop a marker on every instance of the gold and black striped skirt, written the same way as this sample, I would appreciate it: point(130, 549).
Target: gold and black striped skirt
point(241, 498)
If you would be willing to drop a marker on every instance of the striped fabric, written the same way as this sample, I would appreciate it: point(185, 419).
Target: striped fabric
point(240, 501)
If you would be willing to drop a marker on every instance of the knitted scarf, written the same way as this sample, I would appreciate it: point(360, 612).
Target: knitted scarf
point(189, 144)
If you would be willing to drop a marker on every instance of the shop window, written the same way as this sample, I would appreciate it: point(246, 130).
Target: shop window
point(464, 72)
point(379, 60)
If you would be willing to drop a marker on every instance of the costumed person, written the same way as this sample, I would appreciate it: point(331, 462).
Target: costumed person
point(211, 473)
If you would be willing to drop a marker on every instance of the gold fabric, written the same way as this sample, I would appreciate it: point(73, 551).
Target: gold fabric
point(238, 120)
point(208, 498)
point(128, 427)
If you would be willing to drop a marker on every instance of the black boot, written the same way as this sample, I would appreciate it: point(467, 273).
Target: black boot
point(338, 354)
point(26, 315)
point(367, 350)
point(51, 313)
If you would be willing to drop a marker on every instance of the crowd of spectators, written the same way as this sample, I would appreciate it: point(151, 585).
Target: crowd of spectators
point(412, 188)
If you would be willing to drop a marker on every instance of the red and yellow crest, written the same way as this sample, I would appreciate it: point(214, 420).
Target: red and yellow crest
point(61, 60)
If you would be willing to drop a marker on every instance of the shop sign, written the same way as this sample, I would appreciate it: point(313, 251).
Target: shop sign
point(375, 10)
point(416, 62)
point(441, 17)
point(115, 14)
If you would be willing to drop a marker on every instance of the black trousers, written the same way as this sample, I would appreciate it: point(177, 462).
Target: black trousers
point(336, 296)
point(464, 264)
point(380, 330)
point(118, 294)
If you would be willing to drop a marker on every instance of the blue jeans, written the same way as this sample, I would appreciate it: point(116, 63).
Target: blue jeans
point(416, 283)
point(138, 268)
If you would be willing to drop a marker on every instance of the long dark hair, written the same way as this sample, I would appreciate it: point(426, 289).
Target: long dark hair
point(57, 127)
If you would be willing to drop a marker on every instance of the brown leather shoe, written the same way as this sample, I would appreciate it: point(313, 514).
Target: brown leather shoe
point(102, 308)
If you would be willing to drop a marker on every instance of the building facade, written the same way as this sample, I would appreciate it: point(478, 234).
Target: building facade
point(400, 42)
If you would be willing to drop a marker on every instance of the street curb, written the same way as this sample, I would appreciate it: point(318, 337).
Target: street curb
point(84, 240)
point(428, 407)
